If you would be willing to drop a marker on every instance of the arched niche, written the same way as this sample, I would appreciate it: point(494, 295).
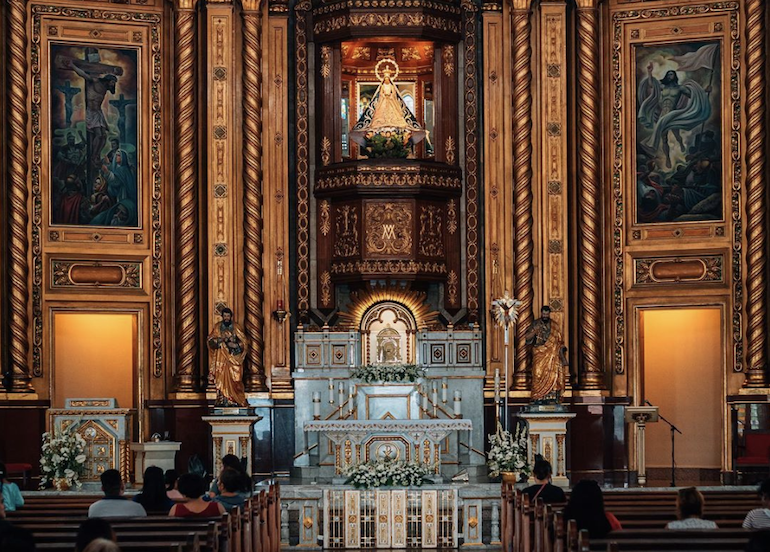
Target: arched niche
point(388, 334)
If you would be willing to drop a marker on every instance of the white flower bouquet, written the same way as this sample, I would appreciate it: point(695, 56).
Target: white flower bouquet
point(63, 459)
point(508, 452)
point(387, 473)
point(388, 373)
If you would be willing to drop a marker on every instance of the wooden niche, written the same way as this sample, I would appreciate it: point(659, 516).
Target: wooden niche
point(380, 215)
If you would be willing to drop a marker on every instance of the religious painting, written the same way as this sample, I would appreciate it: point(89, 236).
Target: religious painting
point(94, 164)
point(678, 132)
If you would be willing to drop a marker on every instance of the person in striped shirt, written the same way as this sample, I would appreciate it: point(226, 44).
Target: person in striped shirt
point(759, 518)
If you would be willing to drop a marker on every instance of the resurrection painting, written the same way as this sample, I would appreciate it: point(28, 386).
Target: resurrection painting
point(678, 132)
point(94, 129)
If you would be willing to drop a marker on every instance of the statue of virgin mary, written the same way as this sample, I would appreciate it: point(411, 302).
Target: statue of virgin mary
point(387, 112)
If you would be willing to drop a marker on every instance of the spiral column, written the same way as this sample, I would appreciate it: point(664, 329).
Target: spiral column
point(522, 182)
point(756, 201)
point(254, 378)
point(589, 175)
point(18, 192)
point(186, 176)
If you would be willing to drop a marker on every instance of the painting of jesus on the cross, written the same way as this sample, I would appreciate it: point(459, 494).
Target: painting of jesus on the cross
point(94, 129)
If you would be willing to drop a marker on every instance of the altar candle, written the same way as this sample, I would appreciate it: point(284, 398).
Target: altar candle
point(444, 386)
point(434, 394)
point(497, 385)
point(350, 399)
point(331, 391)
point(341, 390)
point(458, 403)
point(425, 401)
point(316, 405)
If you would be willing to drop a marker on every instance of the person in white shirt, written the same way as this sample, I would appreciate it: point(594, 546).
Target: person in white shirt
point(759, 518)
point(114, 504)
point(689, 509)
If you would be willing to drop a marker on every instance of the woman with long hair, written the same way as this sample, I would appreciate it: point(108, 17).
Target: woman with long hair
point(586, 507)
point(153, 496)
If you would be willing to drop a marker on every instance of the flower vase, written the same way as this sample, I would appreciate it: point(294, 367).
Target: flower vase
point(509, 477)
point(61, 484)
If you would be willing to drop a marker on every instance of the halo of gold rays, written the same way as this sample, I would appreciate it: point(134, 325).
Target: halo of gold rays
point(363, 300)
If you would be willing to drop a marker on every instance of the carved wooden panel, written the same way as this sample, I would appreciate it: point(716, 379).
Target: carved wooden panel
point(651, 271)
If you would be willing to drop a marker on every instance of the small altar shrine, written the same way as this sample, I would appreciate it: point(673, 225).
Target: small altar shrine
point(345, 416)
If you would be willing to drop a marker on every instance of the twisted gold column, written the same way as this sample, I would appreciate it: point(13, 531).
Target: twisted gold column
point(589, 174)
point(756, 203)
point(522, 182)
point(18, 191)
point(254, 378)
point(186, 174)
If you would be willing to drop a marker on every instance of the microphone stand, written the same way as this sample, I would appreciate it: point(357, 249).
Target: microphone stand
point(674, 431)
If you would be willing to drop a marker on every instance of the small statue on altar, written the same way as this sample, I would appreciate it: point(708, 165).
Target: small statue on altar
point(227, 350)
point(549, 359)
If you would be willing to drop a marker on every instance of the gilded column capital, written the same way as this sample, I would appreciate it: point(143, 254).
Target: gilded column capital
point(521, 5)
point(587, 4)
point(251, 5)
point(185, 4)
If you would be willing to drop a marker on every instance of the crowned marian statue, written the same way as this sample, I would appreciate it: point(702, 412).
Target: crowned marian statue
point(387, 122)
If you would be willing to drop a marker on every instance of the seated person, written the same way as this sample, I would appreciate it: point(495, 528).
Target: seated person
point(114, 504)
point(192, 486)
point(586, 506)
point(102, 545)
point(543, 487)
point(153, 496)
point(11, 493)
point(229, 485)
point(92, 529)
point(689, 509)
point(231, 461)
point(172, 492)
point(759, 518)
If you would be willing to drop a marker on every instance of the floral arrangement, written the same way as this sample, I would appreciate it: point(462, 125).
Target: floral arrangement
point(508, 452)
point(387, 143)
point(388, 372)
point(387, 473)
point(63, 460)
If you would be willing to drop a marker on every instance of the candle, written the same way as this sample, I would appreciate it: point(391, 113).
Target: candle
point(341, 391)
point(458, 403)
point(331, 391)
point(316, 405)
point(280, 304)
point(444, 386)
point(434, 394)
point(350, 399)
point(425, 401)
point(497, 385)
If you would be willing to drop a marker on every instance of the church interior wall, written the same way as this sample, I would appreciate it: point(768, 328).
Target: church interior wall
point(248, 171)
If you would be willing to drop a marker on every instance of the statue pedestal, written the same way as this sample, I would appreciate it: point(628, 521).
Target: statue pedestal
point(547, 436)
point(231, 434)
point(160, 453)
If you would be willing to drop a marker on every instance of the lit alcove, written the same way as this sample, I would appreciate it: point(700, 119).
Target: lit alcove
point(95, 355)
point(683, 374)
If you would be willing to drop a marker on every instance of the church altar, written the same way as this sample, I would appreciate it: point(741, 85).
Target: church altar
point(341, 421)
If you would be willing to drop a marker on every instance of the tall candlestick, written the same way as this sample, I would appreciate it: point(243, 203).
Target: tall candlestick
point(434, 394)
point(497, 385)
point(444, 386)
point(316, 405)
point(341, 391)
point(331, 391)
point(425, 401)
point(458, 403)
point(350, 399)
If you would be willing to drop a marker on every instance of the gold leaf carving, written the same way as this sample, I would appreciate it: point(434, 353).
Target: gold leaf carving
point(449, 149)
point(451, 224)
point(326, 149)
point(388, 228)
point(326, 294)
point(346, 227)
point(451, 283)
point(410, 53)
point(326, 56)
point(326, 223)
point(448, 56)
point(431, 242)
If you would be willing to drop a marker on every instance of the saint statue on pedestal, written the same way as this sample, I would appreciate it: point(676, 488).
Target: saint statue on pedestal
point(227, 350)
point(549, 359)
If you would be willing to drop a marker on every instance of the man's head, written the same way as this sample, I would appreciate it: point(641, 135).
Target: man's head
point(192, 485)
point(110, 81)
point(545, 312)
point(120, 217)
point(764, 493)
point(112, 484)
point(70, 139)
point(92, 529)
point(230, 480)
point(73, 183)
point(227, 316)
point(670, 78)
point(114, 144)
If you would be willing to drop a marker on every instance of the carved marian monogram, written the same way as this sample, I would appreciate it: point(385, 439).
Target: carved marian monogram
point(388, 228)
point(346, 227)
